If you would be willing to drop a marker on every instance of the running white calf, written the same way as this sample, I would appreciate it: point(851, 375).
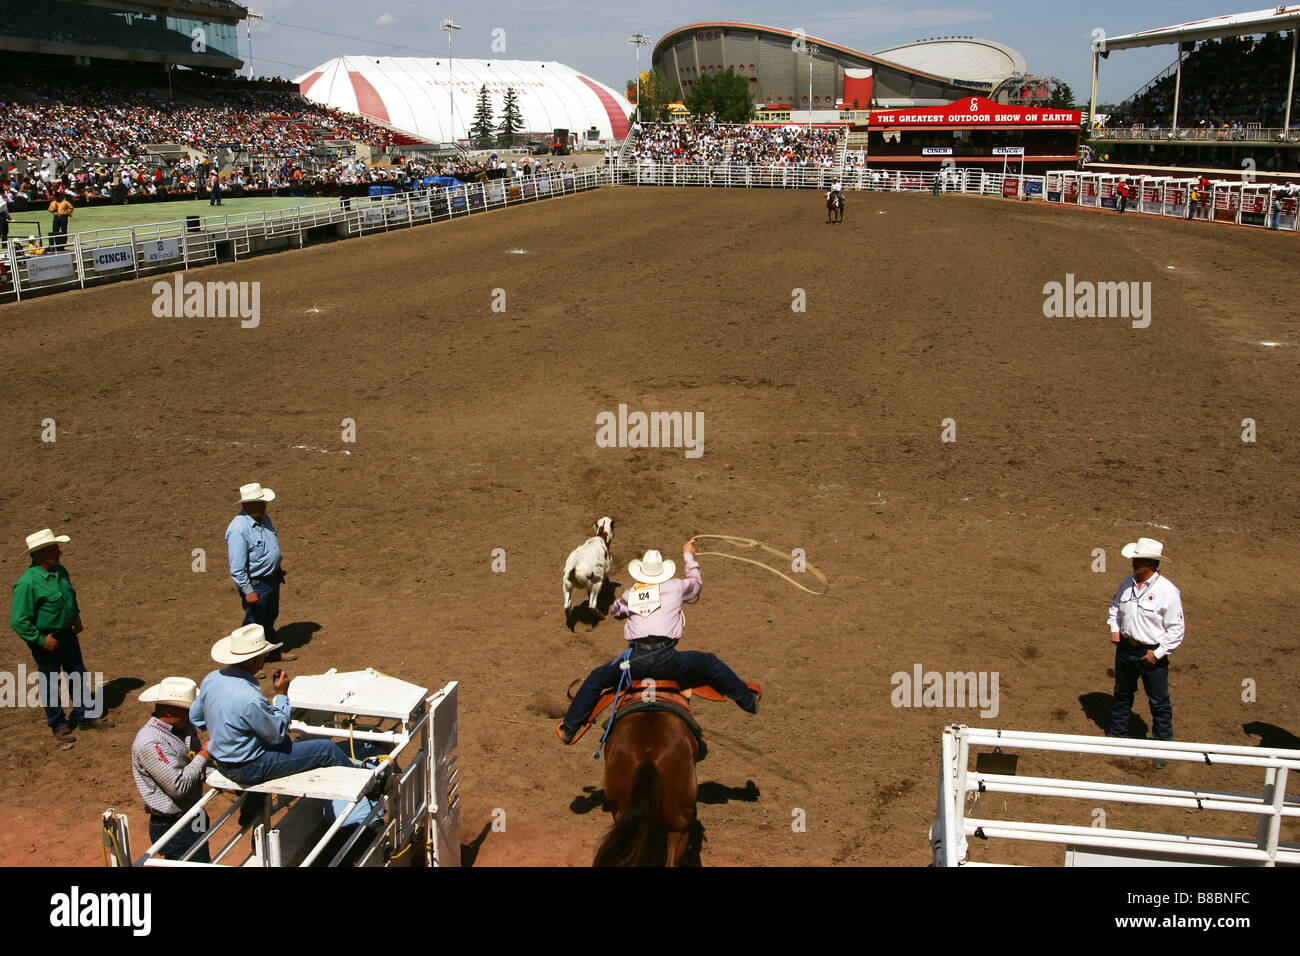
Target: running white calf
point(588, 565)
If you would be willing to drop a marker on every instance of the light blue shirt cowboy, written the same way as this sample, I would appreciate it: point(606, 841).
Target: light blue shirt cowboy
point(241, 725)
point(254, 549)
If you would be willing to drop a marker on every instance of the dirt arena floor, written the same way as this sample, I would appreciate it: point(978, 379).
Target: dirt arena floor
point(476, 430)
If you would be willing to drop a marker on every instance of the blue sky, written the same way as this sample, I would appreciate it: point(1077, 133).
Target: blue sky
point(590, 36)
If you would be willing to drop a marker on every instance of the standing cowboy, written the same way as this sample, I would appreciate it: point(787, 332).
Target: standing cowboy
point(61, 209)
point(44, 613)
point(653, 610)
point(253, 548)
point(1146, 626)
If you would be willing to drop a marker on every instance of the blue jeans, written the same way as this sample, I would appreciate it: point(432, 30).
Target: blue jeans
point(267, 608)
point(287, 758)
point(1129, 666)
point(66, 658)
point(687, 668)
point(182, 841)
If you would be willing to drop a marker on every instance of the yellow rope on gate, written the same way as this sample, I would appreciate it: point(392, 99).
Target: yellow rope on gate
point(751, 543)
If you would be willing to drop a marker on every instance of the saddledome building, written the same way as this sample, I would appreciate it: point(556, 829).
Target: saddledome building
point(925, 73)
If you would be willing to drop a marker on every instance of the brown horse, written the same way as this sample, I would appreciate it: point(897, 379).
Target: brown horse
point(834, 207)
point(649, 782)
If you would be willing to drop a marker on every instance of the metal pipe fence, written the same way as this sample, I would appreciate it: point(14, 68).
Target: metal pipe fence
point(55, 263)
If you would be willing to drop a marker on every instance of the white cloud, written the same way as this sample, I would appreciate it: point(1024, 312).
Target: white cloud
point(386, 20)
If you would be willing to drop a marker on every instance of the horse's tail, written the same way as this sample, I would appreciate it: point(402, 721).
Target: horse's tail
point(625, 842)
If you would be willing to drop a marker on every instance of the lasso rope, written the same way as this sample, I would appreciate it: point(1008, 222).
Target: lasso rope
point(751, 543)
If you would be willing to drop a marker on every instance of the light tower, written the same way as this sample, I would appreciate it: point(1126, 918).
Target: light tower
point(449, 27)
point(813, 50)
point(638, 40)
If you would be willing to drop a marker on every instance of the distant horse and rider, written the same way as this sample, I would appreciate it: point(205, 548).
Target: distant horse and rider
point(835, 203)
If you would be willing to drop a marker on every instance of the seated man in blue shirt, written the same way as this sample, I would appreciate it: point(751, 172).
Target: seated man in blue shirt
point(247, 736)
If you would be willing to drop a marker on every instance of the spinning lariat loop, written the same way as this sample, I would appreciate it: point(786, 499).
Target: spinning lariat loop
point(751, 543)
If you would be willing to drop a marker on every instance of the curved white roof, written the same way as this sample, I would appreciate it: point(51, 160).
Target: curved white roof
point(960, 58)
point(411, 94)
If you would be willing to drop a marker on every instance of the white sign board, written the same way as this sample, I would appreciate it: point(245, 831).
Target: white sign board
point(936, 151)
point(51, 267)
point(158, 250)
point(372, 216)
point(1008, 151)
point(420, 209)
point(108, 258)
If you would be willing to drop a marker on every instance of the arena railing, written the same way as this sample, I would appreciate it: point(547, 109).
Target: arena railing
point(100, 256)
point(1196, 134)
point(797, 177)
point(958, 818)
point(1231, 201)
point(1234, 201)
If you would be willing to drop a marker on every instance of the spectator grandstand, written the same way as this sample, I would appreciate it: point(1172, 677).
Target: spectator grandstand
point(69, 119)
point(1227, 85)
point(716, 144)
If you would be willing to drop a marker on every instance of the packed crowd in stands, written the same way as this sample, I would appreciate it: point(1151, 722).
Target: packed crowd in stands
point(81, 120)
point(185, 179)
point(1225, 84)
point(713, 144)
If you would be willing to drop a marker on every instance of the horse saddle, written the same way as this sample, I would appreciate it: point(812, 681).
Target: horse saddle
point(649, 694)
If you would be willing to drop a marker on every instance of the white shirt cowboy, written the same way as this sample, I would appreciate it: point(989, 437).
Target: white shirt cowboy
point(1150, 613)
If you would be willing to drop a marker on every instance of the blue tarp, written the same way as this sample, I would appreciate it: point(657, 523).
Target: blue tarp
point(382, 190)
point(443, 182)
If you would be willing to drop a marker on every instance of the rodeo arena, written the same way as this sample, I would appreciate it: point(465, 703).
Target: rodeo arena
point(980, 365)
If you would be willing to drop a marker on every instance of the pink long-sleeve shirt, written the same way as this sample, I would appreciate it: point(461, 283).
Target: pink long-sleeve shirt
point(666, 620)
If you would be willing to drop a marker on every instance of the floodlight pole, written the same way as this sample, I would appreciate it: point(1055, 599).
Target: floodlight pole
point(248, 27)
point(813, 50)
point(449, 27)
point(1290, 90)
point(638, 40)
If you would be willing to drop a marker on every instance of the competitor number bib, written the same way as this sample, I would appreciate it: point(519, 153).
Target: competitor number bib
point(643, 599)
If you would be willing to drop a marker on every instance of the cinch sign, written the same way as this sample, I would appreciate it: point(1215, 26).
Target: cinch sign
point(976, 111)
point(114, 257)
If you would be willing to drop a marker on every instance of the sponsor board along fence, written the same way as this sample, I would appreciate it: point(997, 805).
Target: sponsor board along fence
point(82, 259)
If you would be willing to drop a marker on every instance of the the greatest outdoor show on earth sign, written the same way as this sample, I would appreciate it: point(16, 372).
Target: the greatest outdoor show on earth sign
point(976, 111)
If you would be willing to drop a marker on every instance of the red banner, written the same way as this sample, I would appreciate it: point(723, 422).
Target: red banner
point(1010, 187)
point(975, 111)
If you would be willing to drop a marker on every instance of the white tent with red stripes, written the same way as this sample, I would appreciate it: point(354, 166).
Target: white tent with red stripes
point(436, 98)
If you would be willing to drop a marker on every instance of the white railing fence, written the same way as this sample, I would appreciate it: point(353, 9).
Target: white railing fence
point(54, 263)
point(1097, 844)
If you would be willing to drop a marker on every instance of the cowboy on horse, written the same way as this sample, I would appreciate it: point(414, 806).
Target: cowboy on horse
point(653, 610)
point(835, 201)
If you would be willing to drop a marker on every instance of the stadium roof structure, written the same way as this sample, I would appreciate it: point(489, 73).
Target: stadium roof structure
point(969, 58)
point(436, 98)
point(1277, 19)
point(143, 31)
point(776, 62)
point(1233, 25)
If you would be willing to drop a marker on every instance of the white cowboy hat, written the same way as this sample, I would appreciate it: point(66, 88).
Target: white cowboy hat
point(255, 492)
point(1145, 548)
point(43, 539)
point(177, 691)
point(242, 644)
point(652, 569)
